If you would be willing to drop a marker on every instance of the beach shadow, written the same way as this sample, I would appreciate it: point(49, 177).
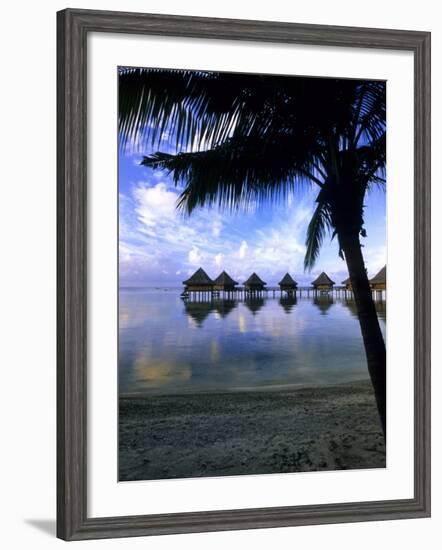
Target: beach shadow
point(48, 526)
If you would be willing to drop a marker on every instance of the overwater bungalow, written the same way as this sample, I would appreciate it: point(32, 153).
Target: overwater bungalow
point(199, 282)
point(379, 281)
point(347, 283)
point(323, 283)
point(254, 284)
point(224, 282)
point(288, 284)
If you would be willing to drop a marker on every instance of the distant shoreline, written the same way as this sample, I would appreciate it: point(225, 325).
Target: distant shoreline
point(320, 428)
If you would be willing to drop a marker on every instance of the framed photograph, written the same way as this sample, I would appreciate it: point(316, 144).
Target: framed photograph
point(243, 274)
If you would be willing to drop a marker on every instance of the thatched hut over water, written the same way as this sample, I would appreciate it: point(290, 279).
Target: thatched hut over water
point(347, 283)
point(254, 283)
point(323, 283)
point(288, 284)
point(224, 282)
point(198, 282)
point(379, 281)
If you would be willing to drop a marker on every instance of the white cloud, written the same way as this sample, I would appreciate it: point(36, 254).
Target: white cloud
point(155, 204)
point(219, 259)
point(243, 250)
point(194, 256)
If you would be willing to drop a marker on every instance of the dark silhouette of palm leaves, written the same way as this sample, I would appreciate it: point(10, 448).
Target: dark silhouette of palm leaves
point(244, 139)
point(318, 227)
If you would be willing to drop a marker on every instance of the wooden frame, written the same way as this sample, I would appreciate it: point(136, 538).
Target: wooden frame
point(73, 27)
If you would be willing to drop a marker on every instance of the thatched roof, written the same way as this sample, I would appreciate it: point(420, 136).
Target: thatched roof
point(347, 281)
point(254, 280)
point(381, 277)
point(287, 280)
point(200, 277)
point(323, 279)
point(225, 279)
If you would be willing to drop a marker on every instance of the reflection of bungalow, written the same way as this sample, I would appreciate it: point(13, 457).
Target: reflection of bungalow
point(347, 284)
point(324, 303)
point(254, 283)
point(379, 281)
point(323, 283)
point(199, 282)
point(198, 310)
point(351, 306)
point(288, 302)
point(288, 284)
point(224, 307)
point(225, 282)
point(254, 304)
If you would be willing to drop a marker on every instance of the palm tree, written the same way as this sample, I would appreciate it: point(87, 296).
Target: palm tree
point(242, 138)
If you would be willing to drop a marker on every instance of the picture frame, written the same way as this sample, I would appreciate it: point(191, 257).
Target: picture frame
point(73, 26)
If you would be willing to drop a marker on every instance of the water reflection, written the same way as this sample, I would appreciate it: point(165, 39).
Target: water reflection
point(224, 307)
point(287, 303)
point(254, 304)
point(380, 306)
point(170, 346)
point(381, 309)
point(198, 311)
point(323, 303)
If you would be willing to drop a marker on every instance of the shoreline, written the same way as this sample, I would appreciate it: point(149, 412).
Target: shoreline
point(235, 390)
point(308, 428)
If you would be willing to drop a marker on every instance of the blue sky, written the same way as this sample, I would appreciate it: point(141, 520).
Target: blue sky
point(158, 246)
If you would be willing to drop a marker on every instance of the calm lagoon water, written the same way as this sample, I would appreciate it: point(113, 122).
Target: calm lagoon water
point(170, 346)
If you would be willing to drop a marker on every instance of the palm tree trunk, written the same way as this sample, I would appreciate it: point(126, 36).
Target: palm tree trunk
point(371, 333)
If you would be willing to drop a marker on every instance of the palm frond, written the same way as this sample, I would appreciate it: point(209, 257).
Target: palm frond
point(203, 109)
point(238, 172)
point(198, 108)
point(316, 231)
point(372, 160)
point(370, 113)
point(244, 138)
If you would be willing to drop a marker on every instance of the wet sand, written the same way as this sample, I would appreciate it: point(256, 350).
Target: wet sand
point(218, 434)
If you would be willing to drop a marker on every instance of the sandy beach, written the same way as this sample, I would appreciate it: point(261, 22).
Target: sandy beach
point(217, 434)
